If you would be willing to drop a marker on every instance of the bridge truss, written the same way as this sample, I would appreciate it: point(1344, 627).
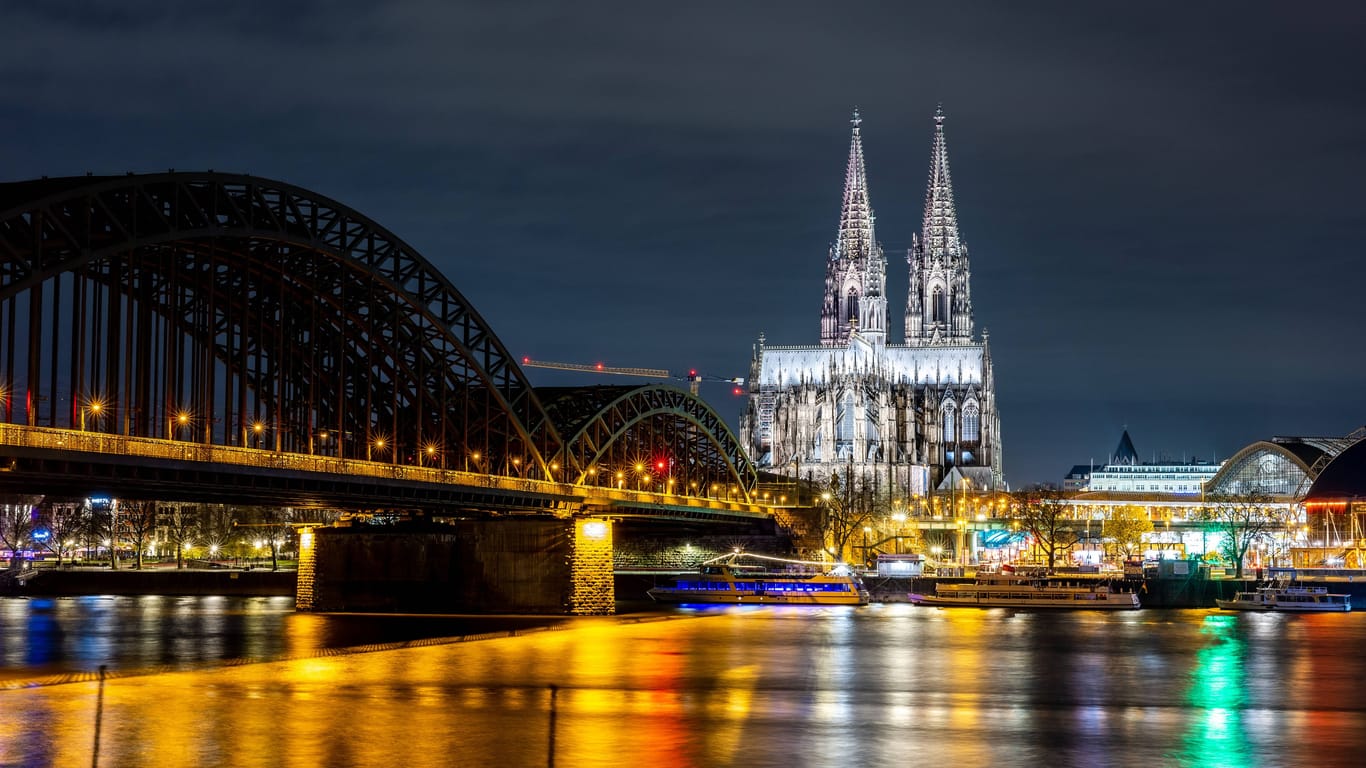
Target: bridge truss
point(229, 310)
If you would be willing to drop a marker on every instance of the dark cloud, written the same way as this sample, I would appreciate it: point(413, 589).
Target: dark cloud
point(1163, 201)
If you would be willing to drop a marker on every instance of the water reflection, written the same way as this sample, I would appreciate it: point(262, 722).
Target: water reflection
point(792, 687)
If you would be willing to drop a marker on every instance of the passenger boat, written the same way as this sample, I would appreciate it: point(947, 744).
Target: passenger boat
point(1007, 591)
point(1283, 597)
point(729, 580)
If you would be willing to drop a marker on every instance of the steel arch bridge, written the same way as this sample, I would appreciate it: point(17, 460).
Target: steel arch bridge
point(231, 310)
point(652, 437)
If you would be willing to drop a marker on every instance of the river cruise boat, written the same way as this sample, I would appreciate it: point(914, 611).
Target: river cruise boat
point(1009, 591)
point(772, 581)
point(1285, 598)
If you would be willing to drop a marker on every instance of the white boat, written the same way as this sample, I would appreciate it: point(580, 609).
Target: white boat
point(1285, 598)
point(1009, 591)
point(729, 580)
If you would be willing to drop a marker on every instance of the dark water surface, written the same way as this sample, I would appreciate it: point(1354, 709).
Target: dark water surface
point(873, 686)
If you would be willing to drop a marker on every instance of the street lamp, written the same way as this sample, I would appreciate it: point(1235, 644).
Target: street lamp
point(258, 429)
point(962, 531)
point(96, 408)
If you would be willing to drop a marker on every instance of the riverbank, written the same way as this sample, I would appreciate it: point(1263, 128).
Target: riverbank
point(53, 582)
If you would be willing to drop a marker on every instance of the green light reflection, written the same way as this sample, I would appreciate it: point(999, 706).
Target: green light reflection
point(1216, 738)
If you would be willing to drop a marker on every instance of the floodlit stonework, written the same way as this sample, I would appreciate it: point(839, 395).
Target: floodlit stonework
point(902, 417)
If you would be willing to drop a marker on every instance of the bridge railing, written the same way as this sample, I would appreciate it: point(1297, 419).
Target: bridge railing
point(50, 438)
point(56, 439)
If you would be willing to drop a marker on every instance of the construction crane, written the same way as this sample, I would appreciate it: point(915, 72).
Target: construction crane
point(693, 378)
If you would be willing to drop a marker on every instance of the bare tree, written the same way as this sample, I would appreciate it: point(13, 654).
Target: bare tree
point(137, 521)
point(16, 525)
point(103, 524)
point(847, 507)
point(1242, 518)
point(218, 527)
point(62, 521)
point(1043, 512)
point(182, 524)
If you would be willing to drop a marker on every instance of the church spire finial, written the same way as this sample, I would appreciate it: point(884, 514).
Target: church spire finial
point(940, 228)
point(856, 215)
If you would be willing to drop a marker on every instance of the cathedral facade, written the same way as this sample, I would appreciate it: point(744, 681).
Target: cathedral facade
point(909, 417)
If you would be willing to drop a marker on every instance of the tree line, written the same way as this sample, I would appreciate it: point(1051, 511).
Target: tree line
point(120, 529)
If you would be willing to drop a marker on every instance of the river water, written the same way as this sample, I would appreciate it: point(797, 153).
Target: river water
point(871, 686)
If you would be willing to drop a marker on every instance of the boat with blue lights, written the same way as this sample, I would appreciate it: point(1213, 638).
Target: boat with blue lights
point(731, 580)
point(1014, 591)
point(1288, 599)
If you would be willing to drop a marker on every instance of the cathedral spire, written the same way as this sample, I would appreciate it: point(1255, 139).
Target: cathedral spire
point(856, 215)
point(940, 226)
point(939, 304)
point(856, 271)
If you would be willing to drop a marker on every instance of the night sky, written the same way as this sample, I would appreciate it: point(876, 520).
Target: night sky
point(1163, 201)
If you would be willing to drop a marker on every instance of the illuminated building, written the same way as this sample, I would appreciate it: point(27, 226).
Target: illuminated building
point(900, 416)
point(1123, 473)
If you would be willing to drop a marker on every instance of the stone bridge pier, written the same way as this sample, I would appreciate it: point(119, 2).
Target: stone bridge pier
point(533, 565)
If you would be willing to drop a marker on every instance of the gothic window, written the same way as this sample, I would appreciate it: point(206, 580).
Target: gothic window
point(948, 424)
point(938, 308)
point(844, 421)
point(851, 307)
point(971, 423)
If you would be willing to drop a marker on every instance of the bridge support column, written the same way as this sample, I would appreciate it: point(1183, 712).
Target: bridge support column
point(592, 590)
point(308, 566)
point(521, 564)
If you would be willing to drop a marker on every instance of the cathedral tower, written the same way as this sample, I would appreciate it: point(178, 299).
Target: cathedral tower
point(856, 270)
point(939, 303)
point(900, 420)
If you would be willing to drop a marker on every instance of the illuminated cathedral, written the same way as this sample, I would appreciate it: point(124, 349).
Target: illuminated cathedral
point(909, 417)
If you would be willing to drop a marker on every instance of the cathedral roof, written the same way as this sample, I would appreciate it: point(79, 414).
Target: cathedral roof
point(856, 213)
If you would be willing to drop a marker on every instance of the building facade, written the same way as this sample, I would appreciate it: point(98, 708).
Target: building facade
point(1124, 473)
point(896, 416)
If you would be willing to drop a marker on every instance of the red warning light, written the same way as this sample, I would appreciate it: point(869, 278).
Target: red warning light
point(735, 391)
point(692, 372)
point(660, 465)
point(599, 366)
point(525, 360)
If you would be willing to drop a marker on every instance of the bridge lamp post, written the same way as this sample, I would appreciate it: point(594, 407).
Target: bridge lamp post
point(182, 420)
point(517, 465)
point(429, 452)
point(621, 479)
point(472, 457)
point(96, 409)
point(640, 472)
point(256, 430)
